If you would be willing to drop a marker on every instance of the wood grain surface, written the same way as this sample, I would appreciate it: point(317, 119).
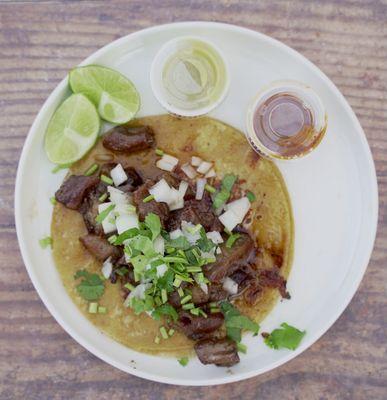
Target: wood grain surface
point(39, 42)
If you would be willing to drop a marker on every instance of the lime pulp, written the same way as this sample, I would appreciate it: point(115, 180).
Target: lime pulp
point(72, 130)
point(114, 95)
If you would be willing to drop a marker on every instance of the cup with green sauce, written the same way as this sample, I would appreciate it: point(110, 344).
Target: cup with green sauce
point(189, 76)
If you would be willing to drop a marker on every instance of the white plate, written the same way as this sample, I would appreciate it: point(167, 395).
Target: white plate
point(333, 192)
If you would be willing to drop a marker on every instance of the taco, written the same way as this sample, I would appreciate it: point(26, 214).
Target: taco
point(192, 230)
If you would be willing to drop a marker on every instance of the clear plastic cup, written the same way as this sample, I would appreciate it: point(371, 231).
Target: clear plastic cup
point(286, 120)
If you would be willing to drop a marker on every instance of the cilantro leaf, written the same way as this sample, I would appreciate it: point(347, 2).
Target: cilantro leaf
point(165, 310)
point(130, 233)
point(220, 198)
point(139, 263)
point(183, 361)
point(179, 243)
point(91, 286)
point(166, 281)
point(287, 337)
point(235, 322)
point(139, 305)
point(250, 196)
point(228, 182)
point(152, 221)
point(204, 243)
point(224, 194)
point(143, 244)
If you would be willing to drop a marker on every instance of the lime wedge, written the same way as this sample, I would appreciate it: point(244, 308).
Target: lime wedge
point(112, 93)
point(72, 130)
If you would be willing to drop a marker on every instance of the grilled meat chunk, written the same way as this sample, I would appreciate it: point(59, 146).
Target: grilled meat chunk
point(221, 352)
point(128, 139)
point(242, 253)
point(197, 212)
point(100, 248)
point(74, 189)
point(198, 296)
point(89, 209)
point(160, 209)
point(272, 278)
point(198, 327)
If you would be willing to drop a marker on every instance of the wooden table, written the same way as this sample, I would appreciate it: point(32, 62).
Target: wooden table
point(39, 42)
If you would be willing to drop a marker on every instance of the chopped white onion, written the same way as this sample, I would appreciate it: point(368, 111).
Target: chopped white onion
point(107, 268)
point(138, 292)
point(176, 205)
point(167, 162)
point(210, 174)
point(215, 236)
point(118, 196)
point(202, 285)
point(164, 165)
point(183, 188)
point(159, 245)
point(161, 191)
point(176, 199)
point(125, 222)
point(218, 250)
point(175, 234)
point(204, 167)
point(235, 213)
point(123, 209)
point(161, 270)
point(229, 220)
point(107, 225)
point(196, 161)
point(230, 286)
point(190, 231)
point(239, 207)
point(170, 159)
point(118, 175)
point(189, 171)
point(200, 184)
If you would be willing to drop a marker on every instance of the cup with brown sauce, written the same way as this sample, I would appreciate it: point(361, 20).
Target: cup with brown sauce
point(286, 120)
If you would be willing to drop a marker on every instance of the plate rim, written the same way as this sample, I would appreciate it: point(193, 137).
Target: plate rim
point(227, 378)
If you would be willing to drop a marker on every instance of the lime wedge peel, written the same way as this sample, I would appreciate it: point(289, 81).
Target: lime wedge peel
point(114, 95)
point(72, 130)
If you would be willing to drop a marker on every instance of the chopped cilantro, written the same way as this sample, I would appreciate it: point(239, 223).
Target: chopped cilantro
point(242, 348)
point(130, 233)
point(91, 286)
point(143, 244)
point(250, 196)
point(139, 305)
point(228, 182)
point(152, 221)
point(179, 243)
point(235, 322)
point(232, 239)
point(287, 337)
point(165, 310)
point(103, 215)
point(45, 242)
point(225, 191)
point(183, 361)
point(204, 243)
